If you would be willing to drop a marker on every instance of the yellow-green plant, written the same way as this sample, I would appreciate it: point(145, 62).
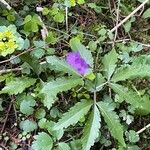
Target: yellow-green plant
point(10, 40)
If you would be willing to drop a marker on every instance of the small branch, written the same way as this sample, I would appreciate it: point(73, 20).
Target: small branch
point(66, 9)
point(117, 20)
point(9, 108)
point(8, 60)
point(44, 31)
point(6, 4)
point(2, 146)
point(16, 69)
point(10, 70)
point(129, 16)
point(143, 129)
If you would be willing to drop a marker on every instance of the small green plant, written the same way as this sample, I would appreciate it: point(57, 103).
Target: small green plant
point(10, 40)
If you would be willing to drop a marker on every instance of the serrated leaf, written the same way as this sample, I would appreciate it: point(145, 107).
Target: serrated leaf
point(142, 59)
point(112, 120)
point(132, 97)
point(76, 45)
point(26, 106)
point(73, 115)
point(91, 130)
point(52, 88)
point(109, 62)
point(28, 125)
point(42, 142)
point(131, 72)
point(18, 85)
point(61, 65)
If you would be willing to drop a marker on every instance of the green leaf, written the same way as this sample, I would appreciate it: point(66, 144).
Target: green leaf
point(112, 120)
point(27, 104)
point(132, 136)
point(92, 46)
point(27, 19)
point(33, 63)
point(76, 45)
point(31, 23)
point(132, 97)
point(131, 72)
point(109, 62)
point(39, 44)
point(59, 17)
point(146, 13)
point(18, 85)
point(63, 146)
point(128, 24)
point(45, 11)
point(38, 53)
point(61, 65)
point(74, 114)
point(48, 125)
point(91, 130)
point(52, 88)
point(28, 125)
point(42, 142)
point(40, 113)
point(80, 2)
point(51, 38)
point(75, 145)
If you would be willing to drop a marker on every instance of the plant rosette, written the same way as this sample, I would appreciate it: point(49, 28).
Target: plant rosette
point(10, 40)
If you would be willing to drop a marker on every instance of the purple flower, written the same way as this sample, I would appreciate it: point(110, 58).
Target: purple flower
point(75, 60)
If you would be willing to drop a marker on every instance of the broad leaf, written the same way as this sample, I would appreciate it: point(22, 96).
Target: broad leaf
point(52, 88)
point(18, 85)
point(109, 62)
point(112, 120)
point(76, 45)
point(28, 125)
point(91, 130)
point(26, 105)
point(131, 72)
point(146, 14)
point(42, 142)
point(61, 65)
point(132, 97)
point(74, 114)
point(33, 63)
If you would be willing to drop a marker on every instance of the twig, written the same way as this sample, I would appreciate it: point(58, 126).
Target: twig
point(8, 60)
point(58, 31)
point(143, 129)
point(3, 147)
point(6, 4)
point(44, 31)
point(129, 16)
point(9, 108)
point(117, 20)
point(10, 70)
point(117, 41)
point(66, 8)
